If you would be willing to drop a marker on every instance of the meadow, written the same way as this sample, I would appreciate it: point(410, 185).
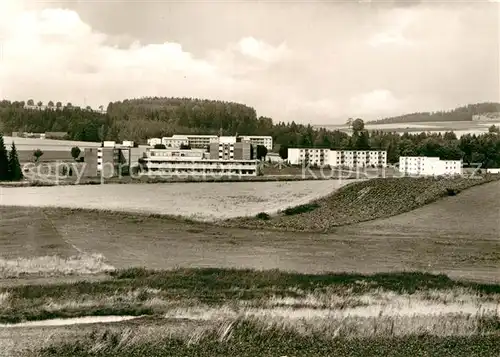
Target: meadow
point(419, 279)
point(204, 201)
point(458, 127)
point(208, 312)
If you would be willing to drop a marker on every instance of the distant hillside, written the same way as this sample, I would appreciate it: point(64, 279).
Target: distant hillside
point(186, 115)
point(464, 113)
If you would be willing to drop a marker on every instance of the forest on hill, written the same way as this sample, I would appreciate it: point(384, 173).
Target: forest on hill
point(464, 113)
point(140, 119)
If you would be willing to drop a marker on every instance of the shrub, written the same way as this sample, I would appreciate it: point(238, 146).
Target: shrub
point(301, 209)
point(263, 215)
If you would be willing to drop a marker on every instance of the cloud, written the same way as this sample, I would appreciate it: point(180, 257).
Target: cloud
point(396, 22)
point(63, 58)
point(260, 50)
point(316, 63)
point(54, 50)
point(384, 38)
point(375, 101)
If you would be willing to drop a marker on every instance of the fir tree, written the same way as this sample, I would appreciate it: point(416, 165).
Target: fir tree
point(15, 172)
point(4, 161)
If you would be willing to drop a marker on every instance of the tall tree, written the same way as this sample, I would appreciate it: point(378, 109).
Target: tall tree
point(466, 145)
point(30, 102)
point(58, 105)
point(37, 154)
point(75, 152)
point(15, 172)
point(283, 152)
point(4, 161)
point(261, 152)
point(362, 140)
point(50, 104)
point(358, 125)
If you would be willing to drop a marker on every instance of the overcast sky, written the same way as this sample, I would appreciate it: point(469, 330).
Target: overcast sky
point(312, 62)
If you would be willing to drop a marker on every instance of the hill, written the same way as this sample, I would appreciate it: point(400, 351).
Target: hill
point(139, 119)
point(143, 118)
point(464, 113)
point(365, 201)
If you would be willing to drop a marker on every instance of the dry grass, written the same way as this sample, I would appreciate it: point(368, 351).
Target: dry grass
point(363, 316)
point(4, 299)
point(192, 311)
point(54, 265)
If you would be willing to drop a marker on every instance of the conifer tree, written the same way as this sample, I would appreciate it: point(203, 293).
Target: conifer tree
point(4, 161)
point(15, 172)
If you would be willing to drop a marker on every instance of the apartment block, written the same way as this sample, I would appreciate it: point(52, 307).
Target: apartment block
point(201, 141)
point(90, 159)
point(109, 160)
point(429, 166)
point(154, 141)
point(337, 158)
point(230, 148)
point(266, 141)
point(357, 158)
point(175, 141)
point(193, 162)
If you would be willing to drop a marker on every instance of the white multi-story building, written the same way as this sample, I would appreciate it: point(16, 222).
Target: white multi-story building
point(429, 166)
point(204, 141)
point(337, 158)
point(154, 141)
point(231, 148)
point(201, 141)
point(266, 141)
point(194, 163)
point(318, 157)
point(128, 143)
point(175, 141)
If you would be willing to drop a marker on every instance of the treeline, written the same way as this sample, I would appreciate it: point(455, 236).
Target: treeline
point(79, 124)
point(10, 168)
point(140, 119)
point(483, 149)
point(464, 113)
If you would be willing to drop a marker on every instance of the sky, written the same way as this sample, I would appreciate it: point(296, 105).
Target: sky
point(317, 62)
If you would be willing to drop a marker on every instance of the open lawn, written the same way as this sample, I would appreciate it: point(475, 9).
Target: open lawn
point(209, 312)
point(61, 263)
point(203, 201)
point(364, 201)
point(457, 235)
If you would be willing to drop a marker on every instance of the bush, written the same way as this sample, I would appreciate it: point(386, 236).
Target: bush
point(263, 215)
point(451, 191)
point(301, 209)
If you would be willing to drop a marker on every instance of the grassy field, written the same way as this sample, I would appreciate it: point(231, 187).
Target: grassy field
point(203, 201)
point(362, 201)
point(60, 263)
point(208, 312)
point(443, 237)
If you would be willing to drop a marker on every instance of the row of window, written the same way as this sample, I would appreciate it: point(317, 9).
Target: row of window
point(203, 171)
point(201, 162)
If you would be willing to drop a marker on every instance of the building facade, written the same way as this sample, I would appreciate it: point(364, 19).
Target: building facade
point(230, 148)
point(429, 166)
point(109, 161)
point(337, 158)
point(194, 163)
point(266, 141)
point(204, 141)
point(175, 141)
point(90, 159)
point(154, 141)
